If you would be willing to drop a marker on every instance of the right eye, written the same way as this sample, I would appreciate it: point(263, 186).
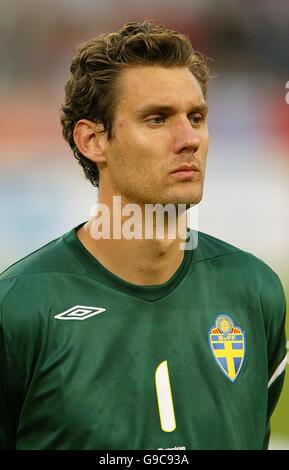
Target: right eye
point(156, 120)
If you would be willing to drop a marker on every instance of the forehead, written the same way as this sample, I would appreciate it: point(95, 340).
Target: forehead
point(175, 86)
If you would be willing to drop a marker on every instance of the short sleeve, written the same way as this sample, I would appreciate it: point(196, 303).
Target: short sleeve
point(274, 310)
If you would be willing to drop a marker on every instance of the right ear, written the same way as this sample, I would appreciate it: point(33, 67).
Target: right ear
point(90, 140)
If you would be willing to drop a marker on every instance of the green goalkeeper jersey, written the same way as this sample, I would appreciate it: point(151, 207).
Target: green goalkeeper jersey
point(90, 361)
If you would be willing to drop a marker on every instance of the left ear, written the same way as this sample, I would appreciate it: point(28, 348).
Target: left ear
point(90, 140)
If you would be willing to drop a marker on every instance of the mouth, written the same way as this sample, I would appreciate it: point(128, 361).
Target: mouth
point(187, 173)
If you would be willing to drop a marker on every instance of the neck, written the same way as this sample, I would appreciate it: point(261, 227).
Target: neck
point(118, 238)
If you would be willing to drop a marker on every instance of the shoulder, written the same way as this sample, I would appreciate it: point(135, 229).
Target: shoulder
point(209, 247)
point(245, 273)
point(28, 287)
point(213, 249)
point(55, 256)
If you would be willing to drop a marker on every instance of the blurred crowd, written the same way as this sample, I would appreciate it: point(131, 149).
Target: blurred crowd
point(246, 43)
point(37, 36)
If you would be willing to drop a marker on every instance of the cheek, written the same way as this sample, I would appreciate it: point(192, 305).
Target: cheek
point(205, 138)
point(139, 154)
point(136, 149)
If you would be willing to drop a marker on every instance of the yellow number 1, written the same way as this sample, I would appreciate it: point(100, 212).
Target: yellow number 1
point(165, 399)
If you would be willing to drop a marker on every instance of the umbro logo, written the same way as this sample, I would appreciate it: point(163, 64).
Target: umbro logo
point(79, 312)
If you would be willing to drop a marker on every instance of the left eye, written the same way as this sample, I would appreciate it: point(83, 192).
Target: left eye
point(196, 118)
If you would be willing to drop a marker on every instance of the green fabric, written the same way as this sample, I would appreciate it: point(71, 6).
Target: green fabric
point(90, 384)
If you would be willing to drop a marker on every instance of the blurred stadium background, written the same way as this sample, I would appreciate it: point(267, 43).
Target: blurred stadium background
point(43, 192)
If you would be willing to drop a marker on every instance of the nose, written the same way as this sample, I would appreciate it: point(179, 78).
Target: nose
point(186, 137)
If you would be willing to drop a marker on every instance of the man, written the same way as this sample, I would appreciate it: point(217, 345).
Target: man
point(117, 342)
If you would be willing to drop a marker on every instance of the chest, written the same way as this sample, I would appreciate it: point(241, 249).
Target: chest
point(161, 374)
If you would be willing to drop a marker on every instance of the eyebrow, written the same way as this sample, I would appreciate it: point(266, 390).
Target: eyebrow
point(155, 108)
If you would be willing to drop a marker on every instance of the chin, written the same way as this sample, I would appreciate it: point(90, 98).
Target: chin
point(185, 195)
point(187, 199)
point(179, 202)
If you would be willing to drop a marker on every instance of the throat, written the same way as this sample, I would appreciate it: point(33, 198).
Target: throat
point(140, 262)
point(151, 268)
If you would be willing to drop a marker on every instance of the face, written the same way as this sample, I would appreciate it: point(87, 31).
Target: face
point(160, 126)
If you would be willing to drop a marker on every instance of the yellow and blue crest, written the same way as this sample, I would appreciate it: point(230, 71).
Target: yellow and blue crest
point(228, 345)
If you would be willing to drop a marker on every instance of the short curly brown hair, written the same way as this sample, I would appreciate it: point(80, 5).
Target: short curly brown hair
point(90, 91)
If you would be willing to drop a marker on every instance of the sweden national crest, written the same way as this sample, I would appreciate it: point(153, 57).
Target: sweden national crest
point(228, 345)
